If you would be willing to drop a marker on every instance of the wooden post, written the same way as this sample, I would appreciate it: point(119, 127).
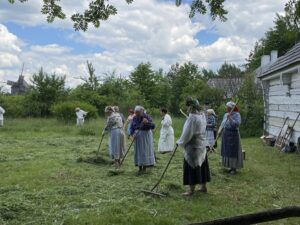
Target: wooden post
point(253, 218)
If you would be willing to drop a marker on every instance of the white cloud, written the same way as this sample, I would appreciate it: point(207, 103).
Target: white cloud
point(50, 49)
point(152, 30)
point(9, 48)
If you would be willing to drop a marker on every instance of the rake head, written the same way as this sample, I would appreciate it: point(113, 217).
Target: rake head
point(153, 193)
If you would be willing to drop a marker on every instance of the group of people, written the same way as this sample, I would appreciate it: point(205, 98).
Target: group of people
point(198, 137)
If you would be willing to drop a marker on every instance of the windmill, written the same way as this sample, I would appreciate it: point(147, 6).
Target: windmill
point(20, 86)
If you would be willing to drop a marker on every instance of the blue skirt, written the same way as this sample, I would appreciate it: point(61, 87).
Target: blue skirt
point(231, 149)
point(116, 143)
point(143, 148)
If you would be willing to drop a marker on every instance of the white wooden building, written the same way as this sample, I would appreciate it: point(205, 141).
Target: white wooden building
point(280, 78)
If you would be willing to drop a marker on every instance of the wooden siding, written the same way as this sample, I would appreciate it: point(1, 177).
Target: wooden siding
point(283, 101)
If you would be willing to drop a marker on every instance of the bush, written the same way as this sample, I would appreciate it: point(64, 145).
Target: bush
point(13, 105)
point(65, 111)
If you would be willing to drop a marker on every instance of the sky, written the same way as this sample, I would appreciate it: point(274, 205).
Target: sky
point(154, 31)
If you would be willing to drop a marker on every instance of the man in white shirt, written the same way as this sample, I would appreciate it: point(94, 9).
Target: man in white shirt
point(2, 111)
point(80, 116)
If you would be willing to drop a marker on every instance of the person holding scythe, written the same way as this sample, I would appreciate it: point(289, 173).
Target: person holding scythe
point(114, 126)
point(141, 132)
point(195, 163)
point(231, 149)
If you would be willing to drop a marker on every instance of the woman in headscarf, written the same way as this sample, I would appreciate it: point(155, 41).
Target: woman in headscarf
point(114, 126)
point(195, 165)
point(166, 138)
point(141, 130)
point(129, 120)
point(231, 150)
point(210, 127)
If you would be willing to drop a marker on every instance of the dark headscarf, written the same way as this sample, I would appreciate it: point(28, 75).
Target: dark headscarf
point(192, 104)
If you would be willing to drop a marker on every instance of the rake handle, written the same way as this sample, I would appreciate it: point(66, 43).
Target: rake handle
point(165, 170)
point(126, 153)
point(99, 146)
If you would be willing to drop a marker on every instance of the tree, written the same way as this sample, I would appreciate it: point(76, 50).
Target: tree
point(142, 79)
point(46, 90)
point(231, 79)
point(101, 10)
point(284, 35)
point(207, 74)
point(91, 82)
point(181, 77)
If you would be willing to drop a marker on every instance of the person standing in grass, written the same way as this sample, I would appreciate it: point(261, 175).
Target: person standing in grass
point(129, 120)
point(231, 150)
point(141, 131)
point(80, 116)
point(195, 164)
point(166, 139)
point(2, 111)
point(114, 126)
point(117, 110)
point(210, 127)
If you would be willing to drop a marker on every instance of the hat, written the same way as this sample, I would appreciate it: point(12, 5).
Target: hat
point(230, 104)
point(77, 109)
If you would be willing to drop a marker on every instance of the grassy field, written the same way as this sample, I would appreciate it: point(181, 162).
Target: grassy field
point(42, 181)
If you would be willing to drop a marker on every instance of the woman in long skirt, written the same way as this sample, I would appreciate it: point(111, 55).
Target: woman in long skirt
point(166, 139)
point(129, 120)
point(231, 149)
point(195, 165)
point(210, 127)
point(114, 126)
point(141, 131)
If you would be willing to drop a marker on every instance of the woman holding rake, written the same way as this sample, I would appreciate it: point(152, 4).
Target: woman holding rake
point(195, 165)
point(114, 126)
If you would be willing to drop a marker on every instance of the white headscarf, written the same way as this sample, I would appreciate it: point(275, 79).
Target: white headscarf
point(211, 111)
point(138, 108)
point(230, 104)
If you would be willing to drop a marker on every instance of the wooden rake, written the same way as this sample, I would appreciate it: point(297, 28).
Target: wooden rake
point(152, 190)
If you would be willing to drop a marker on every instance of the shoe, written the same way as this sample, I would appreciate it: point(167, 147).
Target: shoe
point(202, 190)
point(232, 172)
point(188, 193)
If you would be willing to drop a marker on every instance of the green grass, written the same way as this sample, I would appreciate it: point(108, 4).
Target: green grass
point(42, 181)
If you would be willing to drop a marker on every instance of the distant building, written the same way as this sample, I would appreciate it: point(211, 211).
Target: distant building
point(230, 86)
point(280, 78)
point(19, 87)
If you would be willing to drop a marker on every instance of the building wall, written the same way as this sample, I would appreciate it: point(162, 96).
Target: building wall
point(282, 99)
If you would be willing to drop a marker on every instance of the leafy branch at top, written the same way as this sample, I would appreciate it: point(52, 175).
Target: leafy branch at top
point(101, 10)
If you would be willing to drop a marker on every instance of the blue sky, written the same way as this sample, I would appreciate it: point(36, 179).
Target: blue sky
point(154, 30)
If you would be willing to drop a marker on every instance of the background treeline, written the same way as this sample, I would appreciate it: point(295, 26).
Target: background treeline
point(153, 89)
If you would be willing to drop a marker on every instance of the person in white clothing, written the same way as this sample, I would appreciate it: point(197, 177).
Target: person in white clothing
point(80, 116)
point(2, 111)
point(166, 139)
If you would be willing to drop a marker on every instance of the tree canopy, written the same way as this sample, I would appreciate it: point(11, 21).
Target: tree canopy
point(284, 35)
point(101, 10)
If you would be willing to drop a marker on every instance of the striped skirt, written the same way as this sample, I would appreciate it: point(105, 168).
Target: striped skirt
point(116, 143)
point(143, 148)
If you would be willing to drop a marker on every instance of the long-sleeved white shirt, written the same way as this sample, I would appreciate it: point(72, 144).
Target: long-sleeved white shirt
point(2, 111)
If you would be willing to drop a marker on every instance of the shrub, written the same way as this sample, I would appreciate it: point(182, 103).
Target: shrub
point(65, 111)
point(13, 105)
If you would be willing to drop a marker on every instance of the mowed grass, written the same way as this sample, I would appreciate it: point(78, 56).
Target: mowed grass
point(42, 181)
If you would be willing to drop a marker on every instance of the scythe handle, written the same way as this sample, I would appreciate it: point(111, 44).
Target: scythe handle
point(166, 168)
